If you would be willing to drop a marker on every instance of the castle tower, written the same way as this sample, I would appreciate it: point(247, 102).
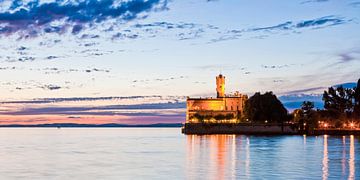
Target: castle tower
point(220, 86)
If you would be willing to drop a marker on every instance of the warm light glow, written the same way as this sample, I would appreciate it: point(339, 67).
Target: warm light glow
point(326, 125)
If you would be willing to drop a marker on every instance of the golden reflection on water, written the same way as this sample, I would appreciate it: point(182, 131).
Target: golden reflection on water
point(325, 162)
point(352, 159)
point(229, 157)
point(219, 149)
point(343, 159)
point(233, 155)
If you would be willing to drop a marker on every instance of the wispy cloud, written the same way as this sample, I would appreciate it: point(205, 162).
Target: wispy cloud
point(158, 79)
point(133, 109)
point(276, 66)
point(152, 98)
point(349, 56)
point(301, 91)
point(355, 4)
point(220, 67)
point(156, 109)
point(321, 22)
point(313, 1)
point(288, 26)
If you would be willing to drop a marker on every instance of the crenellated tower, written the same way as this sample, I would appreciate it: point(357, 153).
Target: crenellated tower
point(220, 86)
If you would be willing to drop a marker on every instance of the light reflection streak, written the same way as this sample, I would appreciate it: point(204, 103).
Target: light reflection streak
point(325, 161)
point(221, 155)
point(190, 154)
point(233, 157)
point(247, 160)
point(352, 159)
point(343, 160)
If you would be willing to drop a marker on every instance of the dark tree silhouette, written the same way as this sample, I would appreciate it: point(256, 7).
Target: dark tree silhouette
point(265, 107)
point(309, 115)
point(357, 100)
point(338, 102)
point(307, 106)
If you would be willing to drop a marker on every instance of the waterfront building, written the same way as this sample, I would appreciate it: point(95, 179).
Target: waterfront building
point(225, 108)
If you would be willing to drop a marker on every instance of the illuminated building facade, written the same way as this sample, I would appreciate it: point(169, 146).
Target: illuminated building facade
point(223, 108)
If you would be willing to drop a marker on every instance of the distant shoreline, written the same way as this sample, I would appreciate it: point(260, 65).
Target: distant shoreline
point(74, 125)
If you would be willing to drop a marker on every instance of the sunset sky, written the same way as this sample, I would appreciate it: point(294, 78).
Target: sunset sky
point(135, 61)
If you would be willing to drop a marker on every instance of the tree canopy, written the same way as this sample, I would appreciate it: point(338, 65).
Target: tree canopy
point(357, 100)
point(342, 102)
point(265, 107)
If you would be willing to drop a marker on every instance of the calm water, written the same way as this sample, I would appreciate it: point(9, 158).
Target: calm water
point(159, 153)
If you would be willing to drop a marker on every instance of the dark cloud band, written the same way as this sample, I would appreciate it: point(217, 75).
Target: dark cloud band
point(59, 16)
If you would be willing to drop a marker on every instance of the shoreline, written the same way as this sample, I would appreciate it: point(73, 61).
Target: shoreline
point(260, 129)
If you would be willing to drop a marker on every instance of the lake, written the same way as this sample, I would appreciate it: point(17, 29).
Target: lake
point(165, 153)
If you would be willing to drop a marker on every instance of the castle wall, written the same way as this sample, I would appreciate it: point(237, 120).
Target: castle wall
point(206, 104)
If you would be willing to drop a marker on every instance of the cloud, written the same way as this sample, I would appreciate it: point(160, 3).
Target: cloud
point(312, 23)
point(283, 26)
point(349, 56)
point(275, 66)
point(55, 70)
point(301, 91)
point(220, 67)
point(355, 4)
point(166, 25)
point(288, 26)
point(36, 17)
point(156, 109)
point(51, 87)
point(32, 84)
point(158, 79)
point(321, 22)
point(313, 1)
point(126, 107)
point(152, 98)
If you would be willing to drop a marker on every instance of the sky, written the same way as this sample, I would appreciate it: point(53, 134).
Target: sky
point(136, 61)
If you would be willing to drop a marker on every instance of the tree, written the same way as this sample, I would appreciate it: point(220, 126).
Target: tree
point(338, 101)
point(357, 100)
point(309, 115)
point(265, 107)
point(307, 107)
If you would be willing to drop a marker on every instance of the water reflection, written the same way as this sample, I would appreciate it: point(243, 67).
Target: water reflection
point(352, 159)
point(247, 161)
point(343, 160)
point(325, 161)
point(279, 157)
point(211, 157)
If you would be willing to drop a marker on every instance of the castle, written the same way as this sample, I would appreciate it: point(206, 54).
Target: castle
point(222, 109)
